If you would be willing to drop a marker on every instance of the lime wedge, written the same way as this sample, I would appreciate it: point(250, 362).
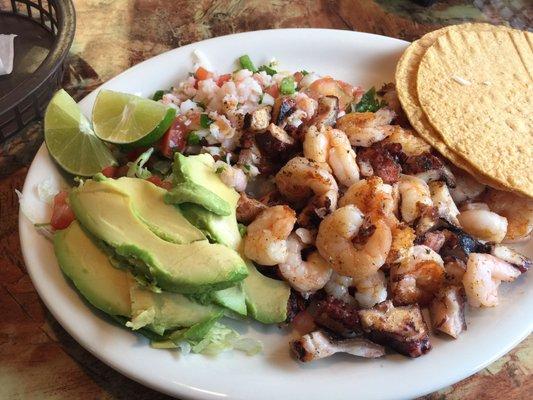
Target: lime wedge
point(70, 139)
point(124, 118)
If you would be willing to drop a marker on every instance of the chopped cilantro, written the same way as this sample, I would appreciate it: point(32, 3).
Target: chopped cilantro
point(193, 139)
point(304, 72)
point(368, 102)
point(270, 71)
point(158, 95)
point(220, 170)
point(261, 98)
point(247, 167)
point(205, 121)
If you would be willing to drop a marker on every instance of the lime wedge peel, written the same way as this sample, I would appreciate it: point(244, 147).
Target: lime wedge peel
point(126, 119)
point(70, 139)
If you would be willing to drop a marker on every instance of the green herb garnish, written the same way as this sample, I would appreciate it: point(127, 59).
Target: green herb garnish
point(193, 139)
point(270, 71)
point(205, 121)
point(369, 102)
point(304, 72)
point(219, 170)
point(159, 95)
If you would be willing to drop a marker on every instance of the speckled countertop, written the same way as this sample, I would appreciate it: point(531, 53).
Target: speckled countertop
point(38, 359)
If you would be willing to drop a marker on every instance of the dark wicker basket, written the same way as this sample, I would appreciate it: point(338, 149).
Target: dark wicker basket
point(43, 26)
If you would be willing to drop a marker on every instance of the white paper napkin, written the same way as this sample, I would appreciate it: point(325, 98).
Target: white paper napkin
point(7, 51)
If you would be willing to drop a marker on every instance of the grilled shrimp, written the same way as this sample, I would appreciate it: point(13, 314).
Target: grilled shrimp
point(418, 277)
point(466, 187)
point(335, 242)
point(483, 224)
point(332, 147)
point(371, 290)
point(443, 201)
point(415, 197)
point(412, 145)
point(374, 198)
point(483, 276)
point(365, 129)
point(305, 184)
point(518, 211)
point(266, 237)
point(304, 276)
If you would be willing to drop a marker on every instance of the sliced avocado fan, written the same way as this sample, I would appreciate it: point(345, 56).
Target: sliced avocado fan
point(108, 212)
point(265, 298)
point(115, 292)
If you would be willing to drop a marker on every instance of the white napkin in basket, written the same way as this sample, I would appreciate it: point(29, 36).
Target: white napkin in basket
point(7, 51)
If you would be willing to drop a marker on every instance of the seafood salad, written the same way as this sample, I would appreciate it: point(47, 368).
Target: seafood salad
point(342, 200)
point(339, 198)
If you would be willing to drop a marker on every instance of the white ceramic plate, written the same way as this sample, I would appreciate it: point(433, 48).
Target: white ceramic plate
point(358, 58)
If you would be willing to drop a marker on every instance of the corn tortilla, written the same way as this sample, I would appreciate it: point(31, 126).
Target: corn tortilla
point(476, 90)
point(406, 81)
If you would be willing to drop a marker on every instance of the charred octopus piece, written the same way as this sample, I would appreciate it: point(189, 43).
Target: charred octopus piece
point(336, 315)
point(381, 162)
point(283, 108)
point(258, 120)
point(328, 109)
point(429, 168)
point(248, 209)
point(319, 344)
point(275, 143)
point(448, 310)
point(401, 328)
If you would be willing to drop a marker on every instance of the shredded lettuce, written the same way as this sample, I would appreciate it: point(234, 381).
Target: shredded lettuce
point(209, 338)
point(136, 168)
point(143, 319)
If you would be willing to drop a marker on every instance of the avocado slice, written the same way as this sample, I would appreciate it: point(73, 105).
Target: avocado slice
point(190, 192)
point(231, 298)
point(114, 290)
point(167, 311)
point(108, 212)
point(105, 287)
point(200, 170)
point(147, 201)
point(266, 298)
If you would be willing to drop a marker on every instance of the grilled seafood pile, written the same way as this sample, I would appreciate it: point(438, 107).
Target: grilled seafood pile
point(368, 224)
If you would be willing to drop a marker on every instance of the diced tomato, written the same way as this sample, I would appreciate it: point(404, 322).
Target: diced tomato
point(273, 90)
point(110, 171)
point(203, 74)
point(175, 139)
point(223, 79)
point(62, 215)
point(135, 153)
point(122, 171)
point(159, 182)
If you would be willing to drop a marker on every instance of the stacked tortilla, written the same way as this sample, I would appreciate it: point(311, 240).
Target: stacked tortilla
point(468, 90)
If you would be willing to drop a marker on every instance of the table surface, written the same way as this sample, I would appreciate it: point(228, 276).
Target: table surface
point(38, 359)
